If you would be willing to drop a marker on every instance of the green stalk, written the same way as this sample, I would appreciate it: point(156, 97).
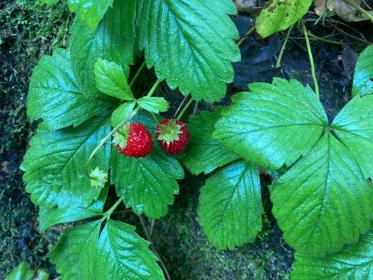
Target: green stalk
point(360, 9)
point(313, 71)
point(137, 74)
point(184, 109)
point(278, 63)
point(108, 213)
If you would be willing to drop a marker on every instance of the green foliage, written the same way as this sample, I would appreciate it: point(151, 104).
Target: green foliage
point(279, 15)
point(54, 165)
point(363, 77)
point(89, 11)
point(205, 154)
point(23, 272)
point(115, 252)
point(190, 44)
point(354, 262)
point(111, 80)
point(123, 112)
point(148, 185)
point(153, 104)
point(230, 210)
point(273, 124)
point(284, 124)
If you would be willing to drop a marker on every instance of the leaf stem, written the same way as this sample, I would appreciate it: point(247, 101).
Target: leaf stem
point(108, 213)
point(312, 63)
point(154, 87)
point(137, 74)
point(360, 9)
point(278, 63)
point(181, 105)
point(184, 109)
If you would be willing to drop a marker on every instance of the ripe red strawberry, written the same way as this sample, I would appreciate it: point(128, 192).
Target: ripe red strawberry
point(135, 141)
point(173, 136)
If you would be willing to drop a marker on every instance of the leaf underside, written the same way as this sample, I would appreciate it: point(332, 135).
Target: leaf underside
point(190, 43)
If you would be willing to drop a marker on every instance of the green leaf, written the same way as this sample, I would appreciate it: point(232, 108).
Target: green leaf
point(153, 104)
point(90, 11)
point(123, 112)
point(113, 40)
point(55, 96)
point(323, 202)
point(52, 216)
point(191, 44)
point(354, 262)
point(111, 80)
point(115, 253)
point(148, 185)
point(55, 164)
point(273, 124)
point(231, 207)
point(48, 2)
point(23, 272)
point(363, 77)
point(354, 127)
point(205, 154)
point(279, 15)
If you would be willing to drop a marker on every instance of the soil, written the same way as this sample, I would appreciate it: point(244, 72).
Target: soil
point(30, 30)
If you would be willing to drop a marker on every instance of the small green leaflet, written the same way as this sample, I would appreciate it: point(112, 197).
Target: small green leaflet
point(113, 40)
point(153, 104)
point(279, 15)
point(55, 96)
point(190, 43)
point(111, 80)
point(324, 201)
point(49, 2)
point(205, 154)
point(273, 124)
point(23, 272)
point(230, 207)
point(55, 164)
point(354, 262)
point(114, 253)
point(363, 76)
point(123, 112)
point(52, 216)
point(148, 185)
point(90, 11)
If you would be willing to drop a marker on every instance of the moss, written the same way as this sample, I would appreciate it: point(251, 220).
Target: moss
point(28, 30)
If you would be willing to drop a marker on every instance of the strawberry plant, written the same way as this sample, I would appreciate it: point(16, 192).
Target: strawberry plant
point(99, 137)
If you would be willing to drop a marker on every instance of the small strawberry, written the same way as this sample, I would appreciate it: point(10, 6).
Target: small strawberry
point(134, 141)
point(173, 136)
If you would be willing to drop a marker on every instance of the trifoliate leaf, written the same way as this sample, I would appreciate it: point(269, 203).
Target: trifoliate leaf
point(113, 40)
point(56, 171)
point(123, 112)
point(279, 15)
point(190, 43)
point(354, 127)
point(273, 124)
point(55, 96)
point(323, 202)
point(153, 104)
point(363, 76)
point(230, 210)
point(50, 216)
point(23, 272)
point(205, 154)
point(354, 262)
point(111, 80)
point(148, 185)
point(90, 11)
point(115, 253)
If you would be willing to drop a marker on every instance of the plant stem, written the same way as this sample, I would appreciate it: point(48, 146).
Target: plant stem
point(152, 246)
point(313, 71)
point(181, 105)
point(278, 63)
point(154, 87)
point(184, 109)
point(108, 213)
point(137, 74)
point(360, 9)
point(244, 37)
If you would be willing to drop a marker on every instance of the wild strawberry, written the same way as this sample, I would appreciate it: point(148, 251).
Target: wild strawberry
point(173, 136)
point(134, 141)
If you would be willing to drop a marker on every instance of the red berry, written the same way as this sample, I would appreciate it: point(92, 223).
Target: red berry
point(173, 136)
point(139, 142)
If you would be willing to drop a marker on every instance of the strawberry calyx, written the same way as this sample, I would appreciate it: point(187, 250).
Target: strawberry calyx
point(169, 132)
